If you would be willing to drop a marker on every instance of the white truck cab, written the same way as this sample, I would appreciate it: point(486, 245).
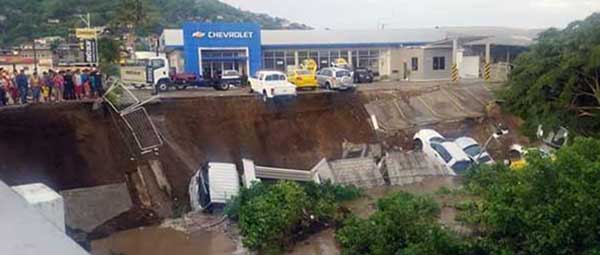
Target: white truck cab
point(157, 73)
point(272, 84)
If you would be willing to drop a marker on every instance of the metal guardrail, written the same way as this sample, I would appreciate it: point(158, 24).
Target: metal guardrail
point(134, 115)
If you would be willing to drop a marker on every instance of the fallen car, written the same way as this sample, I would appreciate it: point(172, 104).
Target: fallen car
point(446, 152)
point(474, 150)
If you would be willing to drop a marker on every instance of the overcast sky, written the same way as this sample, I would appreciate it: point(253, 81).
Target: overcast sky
point(367, 14)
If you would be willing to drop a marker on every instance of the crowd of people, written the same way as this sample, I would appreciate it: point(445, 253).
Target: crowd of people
point(50, 86)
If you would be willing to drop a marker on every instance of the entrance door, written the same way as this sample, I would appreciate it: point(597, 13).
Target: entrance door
point(216, 60)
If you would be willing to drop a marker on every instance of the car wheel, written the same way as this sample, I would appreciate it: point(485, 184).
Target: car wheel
point(328, 86)
point(417, 145)
point(163, 86)
point(180, 87)
point(264, 95)
point(224, 86)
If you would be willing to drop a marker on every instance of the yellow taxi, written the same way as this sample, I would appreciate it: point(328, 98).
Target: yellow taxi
point(302, 78)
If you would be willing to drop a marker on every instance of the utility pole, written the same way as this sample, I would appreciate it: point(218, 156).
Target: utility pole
point(35, 61)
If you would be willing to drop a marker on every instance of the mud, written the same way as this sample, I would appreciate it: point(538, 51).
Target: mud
point(160, 241)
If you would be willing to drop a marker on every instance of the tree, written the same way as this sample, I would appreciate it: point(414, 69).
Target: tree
point(557, 82)
point(548, 207)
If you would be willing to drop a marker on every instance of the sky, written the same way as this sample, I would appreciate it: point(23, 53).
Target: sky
point(371, 14)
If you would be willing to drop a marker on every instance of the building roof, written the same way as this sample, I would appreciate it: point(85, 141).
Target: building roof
point(398, 37)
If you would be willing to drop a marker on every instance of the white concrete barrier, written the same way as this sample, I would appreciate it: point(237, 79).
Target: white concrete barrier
point(49, 203)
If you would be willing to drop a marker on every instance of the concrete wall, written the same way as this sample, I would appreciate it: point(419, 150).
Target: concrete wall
point(25, 231)
point(404, 55)
point(425, 66)
point(49, 203)
point(427, 72)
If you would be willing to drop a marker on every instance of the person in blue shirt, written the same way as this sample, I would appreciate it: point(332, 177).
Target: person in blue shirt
point(23, 86)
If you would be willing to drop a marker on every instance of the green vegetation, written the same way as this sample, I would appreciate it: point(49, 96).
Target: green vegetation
point(23, 20)
point(403, 224)
point(548, 207)
point(274, 216)
point(557, 82)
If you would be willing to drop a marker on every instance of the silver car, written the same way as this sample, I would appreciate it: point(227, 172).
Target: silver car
point(335, 78)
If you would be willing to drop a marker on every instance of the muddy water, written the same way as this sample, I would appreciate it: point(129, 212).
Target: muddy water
point(163, 241)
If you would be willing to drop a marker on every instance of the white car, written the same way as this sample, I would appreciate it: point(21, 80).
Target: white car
point(272, 84)
point(446, 152)
point(473, 149)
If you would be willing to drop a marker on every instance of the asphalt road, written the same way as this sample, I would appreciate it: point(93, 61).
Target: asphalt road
point(243, 91)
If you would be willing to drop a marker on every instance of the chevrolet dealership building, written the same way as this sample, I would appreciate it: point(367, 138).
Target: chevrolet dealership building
point(414, 54)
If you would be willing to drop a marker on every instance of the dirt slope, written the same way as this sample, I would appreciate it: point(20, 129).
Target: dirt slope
point(70, 145)
point(64, 146)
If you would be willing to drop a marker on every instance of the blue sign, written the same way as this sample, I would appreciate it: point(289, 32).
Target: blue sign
point(221, 36)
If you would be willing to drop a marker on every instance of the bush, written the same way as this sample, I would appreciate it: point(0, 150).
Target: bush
point(273, 216)
point(403, 224)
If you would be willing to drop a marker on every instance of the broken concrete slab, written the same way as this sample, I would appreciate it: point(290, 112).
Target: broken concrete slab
point(361, 172)
point(87, 208)
point(447, 104)
point(410, 167)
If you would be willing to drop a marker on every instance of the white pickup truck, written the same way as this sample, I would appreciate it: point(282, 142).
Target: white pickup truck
point(271, 84)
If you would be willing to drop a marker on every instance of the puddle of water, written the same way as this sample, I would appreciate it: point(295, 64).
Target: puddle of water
point(161, 241)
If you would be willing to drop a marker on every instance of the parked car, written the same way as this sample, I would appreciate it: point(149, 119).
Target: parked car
point(302, 78)
point(213, 185)
point(473, 149)
point(229, 78)
point(335, 78)
point(446, 152)
point(272, 84)
point(363, 75)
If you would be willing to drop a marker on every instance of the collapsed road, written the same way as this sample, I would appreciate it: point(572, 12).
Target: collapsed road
point(75, 145)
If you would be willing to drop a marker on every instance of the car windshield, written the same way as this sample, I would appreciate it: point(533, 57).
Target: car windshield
point(436, 140)
point(461, 166)
point(303, 72)
point(341, 74)
point(230, 73)
point(484, 159)
point(473, 150)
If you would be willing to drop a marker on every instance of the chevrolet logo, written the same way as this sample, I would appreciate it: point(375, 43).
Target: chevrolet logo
point(198, 35)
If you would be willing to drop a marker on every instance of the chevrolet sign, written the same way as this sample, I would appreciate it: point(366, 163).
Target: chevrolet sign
point(224, 35)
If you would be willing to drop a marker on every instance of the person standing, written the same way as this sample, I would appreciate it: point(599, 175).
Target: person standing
point(77, 81)
point(12, 89)
point(49, 84)
point(36, 87)
point(23, 85)
point(3, 88)
point(69, 86)
point(98, 84)
point(85, 81)
point(59, 85)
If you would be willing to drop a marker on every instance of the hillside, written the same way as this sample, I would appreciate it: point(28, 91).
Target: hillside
point(25, 19)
